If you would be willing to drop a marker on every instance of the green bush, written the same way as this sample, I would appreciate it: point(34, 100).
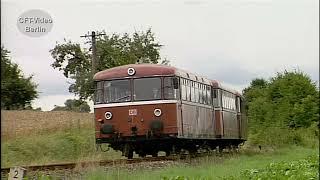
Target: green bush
point(283, 111)
point(281, 137)
point(302, 169)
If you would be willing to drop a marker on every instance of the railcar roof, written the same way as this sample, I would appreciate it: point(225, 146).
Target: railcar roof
point(147, 70)
point(217, 84)
point(142, 70)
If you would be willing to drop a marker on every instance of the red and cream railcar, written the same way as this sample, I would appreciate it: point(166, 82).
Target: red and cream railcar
point(148, 108)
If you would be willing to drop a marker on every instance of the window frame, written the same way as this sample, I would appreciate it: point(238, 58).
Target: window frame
point(96, 92)
point(177, 91)
point(130, 89)
point(228, 100)
point(133, 88)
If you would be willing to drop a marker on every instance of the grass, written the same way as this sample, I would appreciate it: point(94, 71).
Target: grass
point(62, 146)
point(35, 137)
point(212, 167)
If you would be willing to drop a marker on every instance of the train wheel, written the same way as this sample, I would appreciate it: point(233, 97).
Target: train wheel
point(176, 150)
point(155, 154)
point(235, 148)
point(192, 151)
point(143, 155)
point(128, 151)
point(168, 153)
point(130, 154)
point(220, 149)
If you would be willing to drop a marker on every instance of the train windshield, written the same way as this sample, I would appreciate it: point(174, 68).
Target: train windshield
point(147, 89)
point(117, 91)
point(144, 89)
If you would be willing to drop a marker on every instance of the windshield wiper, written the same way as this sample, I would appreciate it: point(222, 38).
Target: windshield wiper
point(123, 97)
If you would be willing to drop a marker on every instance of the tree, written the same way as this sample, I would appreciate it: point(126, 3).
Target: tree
point(296, 97)
point(255, 90)
point(276, 108)
point(291, 99)
point(73, 105)
point(112, 50)
point(17, 91)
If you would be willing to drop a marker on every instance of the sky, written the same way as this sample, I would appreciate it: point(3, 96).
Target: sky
point(232, 41)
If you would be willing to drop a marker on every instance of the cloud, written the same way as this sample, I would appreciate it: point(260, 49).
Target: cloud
point(50, 81)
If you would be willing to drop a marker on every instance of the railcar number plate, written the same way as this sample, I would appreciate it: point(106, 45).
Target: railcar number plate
point(133, 112)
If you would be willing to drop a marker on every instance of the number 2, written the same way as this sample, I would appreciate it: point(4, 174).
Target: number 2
point(16, 174)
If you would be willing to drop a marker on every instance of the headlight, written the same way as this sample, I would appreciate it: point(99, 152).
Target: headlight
point(157, 112)
point(131, 71)
point(108, 115)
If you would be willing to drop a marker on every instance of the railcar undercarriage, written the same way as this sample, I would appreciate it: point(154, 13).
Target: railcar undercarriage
point(169, 145)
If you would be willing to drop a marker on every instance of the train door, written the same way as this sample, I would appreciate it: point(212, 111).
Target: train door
point(213, 113)
point(238, 108)
point(178, 83)
point(217, 103)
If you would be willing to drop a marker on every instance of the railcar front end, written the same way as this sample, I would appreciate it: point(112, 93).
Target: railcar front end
point(137, 114)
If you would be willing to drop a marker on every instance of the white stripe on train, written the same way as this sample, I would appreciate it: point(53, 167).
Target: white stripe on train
point(134, 103)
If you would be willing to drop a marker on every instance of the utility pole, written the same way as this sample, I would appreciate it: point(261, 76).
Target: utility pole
point(94, 63)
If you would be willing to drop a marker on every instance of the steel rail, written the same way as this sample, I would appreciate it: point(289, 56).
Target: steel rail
point(72, 165)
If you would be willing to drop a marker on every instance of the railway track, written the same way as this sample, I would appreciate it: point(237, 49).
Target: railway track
point(73, 165)
point(70, 166)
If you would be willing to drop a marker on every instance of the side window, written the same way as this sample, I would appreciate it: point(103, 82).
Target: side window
point(99, 92)
point(192, 91)
point(229, 101)
point(201, 93)
point(238, 104)
point(169, 90)
point(234, 102)
point(108, 92)
point(204, 97)
point(209, 95)
point(188, 89)
point(197, 92)
point(205, 94)
point(224, 100)
point(216, 97)
point(183, 89)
